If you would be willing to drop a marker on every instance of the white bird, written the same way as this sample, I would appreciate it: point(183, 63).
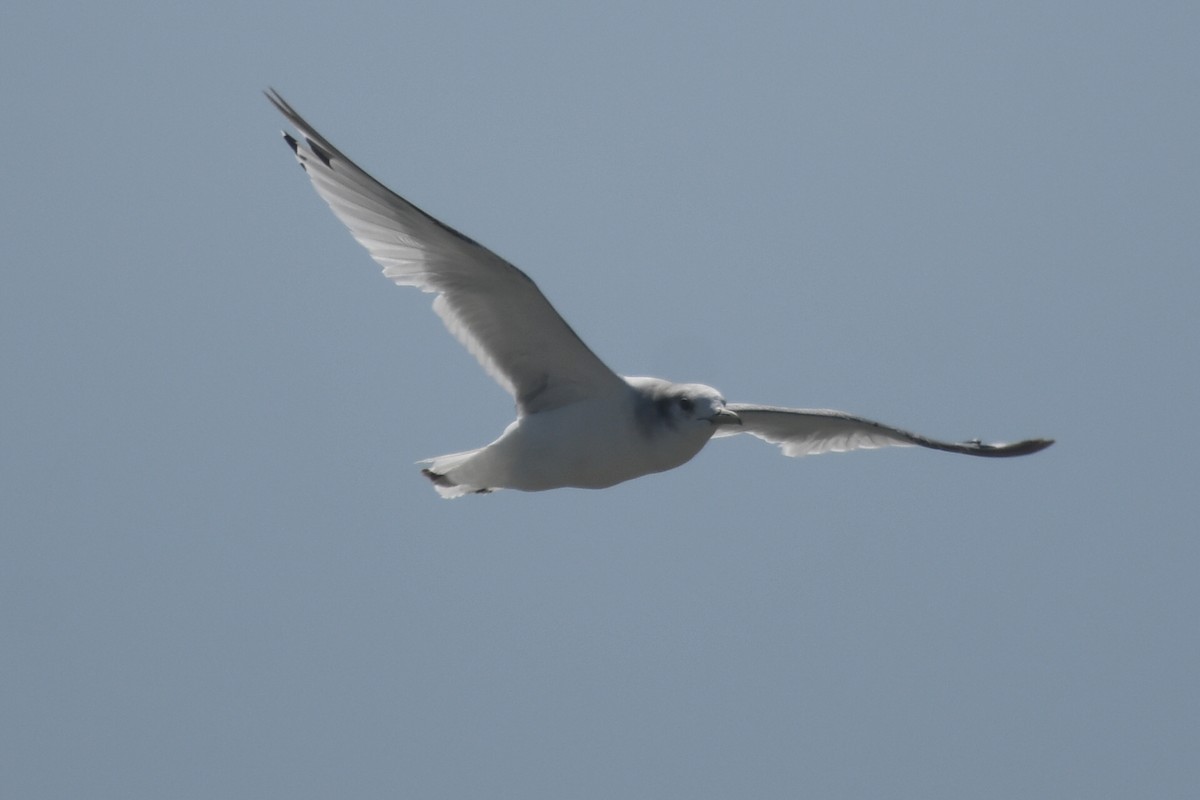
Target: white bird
point(578, 423)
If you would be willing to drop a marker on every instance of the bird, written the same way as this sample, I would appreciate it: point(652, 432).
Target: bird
point(578, 424)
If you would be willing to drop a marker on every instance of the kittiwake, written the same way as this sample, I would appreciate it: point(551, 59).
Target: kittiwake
point(578, 424)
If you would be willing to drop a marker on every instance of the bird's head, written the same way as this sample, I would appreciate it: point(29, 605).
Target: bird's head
point(683, 406)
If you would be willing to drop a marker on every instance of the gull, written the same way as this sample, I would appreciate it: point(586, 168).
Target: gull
point(578, 424)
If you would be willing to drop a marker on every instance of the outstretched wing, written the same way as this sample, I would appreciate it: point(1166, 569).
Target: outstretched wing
point(492, 307)
point(810, 431)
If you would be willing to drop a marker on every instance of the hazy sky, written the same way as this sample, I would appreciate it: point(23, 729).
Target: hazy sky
point(224, 577)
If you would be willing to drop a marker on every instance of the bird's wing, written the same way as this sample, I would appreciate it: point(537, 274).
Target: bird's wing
point(810, 431)
point(492, 307)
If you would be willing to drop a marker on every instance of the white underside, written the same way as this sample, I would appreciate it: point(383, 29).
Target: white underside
point(589, 445)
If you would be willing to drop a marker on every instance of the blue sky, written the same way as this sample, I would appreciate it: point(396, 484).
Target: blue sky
point(223, 575)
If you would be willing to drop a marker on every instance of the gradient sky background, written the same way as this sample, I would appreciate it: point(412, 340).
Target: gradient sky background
point(223, 576)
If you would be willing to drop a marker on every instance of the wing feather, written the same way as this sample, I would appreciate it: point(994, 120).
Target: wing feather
point(811, 431)
point(490, 306)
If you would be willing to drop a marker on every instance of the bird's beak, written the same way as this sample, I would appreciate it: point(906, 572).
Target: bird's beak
point(725, 417)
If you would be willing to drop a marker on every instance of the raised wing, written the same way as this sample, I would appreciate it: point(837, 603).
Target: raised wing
point(810, 431)
point(492, 307)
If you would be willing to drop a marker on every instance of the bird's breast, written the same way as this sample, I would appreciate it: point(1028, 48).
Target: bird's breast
point(594, 444)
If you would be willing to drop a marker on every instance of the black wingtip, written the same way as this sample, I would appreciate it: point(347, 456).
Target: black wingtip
point(292, 143)
point(1037, 445)
point(1025, 448)
point(325, 157)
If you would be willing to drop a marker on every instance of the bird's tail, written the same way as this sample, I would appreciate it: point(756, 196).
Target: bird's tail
point(442, 470)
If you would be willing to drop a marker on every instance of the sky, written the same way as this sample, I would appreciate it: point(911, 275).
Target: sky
point(224, 576)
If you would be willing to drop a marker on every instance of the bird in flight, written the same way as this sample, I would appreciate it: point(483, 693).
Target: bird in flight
point(578, 424)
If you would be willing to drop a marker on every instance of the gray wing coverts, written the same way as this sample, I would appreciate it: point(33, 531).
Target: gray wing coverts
point(492, 307)
point(805, 431)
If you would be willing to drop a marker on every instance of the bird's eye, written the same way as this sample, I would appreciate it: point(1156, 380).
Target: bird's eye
point(686, 404)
